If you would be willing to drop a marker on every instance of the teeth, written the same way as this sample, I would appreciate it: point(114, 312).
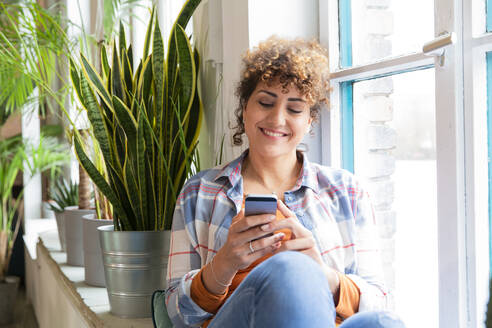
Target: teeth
point(273, 134)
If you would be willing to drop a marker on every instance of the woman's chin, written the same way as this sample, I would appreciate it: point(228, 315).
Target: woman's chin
point(272, 152)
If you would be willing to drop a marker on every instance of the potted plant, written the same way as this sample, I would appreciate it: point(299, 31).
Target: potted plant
point(33, 55)
point(64, 194)
point(146, 121)
point(73, 218)
point(15, 156)
point(93, 265)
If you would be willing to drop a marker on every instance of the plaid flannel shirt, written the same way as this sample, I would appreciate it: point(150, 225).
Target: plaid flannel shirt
point(329, 202)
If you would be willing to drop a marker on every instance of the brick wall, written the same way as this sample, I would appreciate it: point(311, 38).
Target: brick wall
point(380, 138)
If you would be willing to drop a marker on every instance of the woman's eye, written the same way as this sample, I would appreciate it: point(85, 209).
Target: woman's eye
point(265, 104)
point(295, 111)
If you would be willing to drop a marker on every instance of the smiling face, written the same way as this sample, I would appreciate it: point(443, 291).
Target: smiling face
point(275, 122)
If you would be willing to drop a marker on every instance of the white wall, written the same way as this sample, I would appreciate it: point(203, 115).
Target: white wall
point(224, 31)
point(32, 185)
point(285, 18)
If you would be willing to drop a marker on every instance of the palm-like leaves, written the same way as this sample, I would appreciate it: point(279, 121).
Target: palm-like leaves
point(46, 155)
point(64, 194)
point(31, 39)
point(118, 11)
point(146, 122)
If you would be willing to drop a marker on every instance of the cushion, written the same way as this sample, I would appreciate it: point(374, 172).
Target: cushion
point(159, 311)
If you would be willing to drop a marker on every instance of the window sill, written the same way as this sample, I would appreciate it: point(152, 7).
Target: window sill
point(59, 295)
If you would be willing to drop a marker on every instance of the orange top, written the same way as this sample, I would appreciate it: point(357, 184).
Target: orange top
point(348, 302)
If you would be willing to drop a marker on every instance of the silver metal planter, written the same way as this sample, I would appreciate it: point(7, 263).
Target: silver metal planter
point(93, 264)
point(135, 265)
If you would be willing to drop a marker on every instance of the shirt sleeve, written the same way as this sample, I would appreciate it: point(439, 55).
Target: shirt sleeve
point(183, 265)
point(206, 300)
point(368, 276)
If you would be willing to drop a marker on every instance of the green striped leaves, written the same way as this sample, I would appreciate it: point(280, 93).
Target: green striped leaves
point(146, 121)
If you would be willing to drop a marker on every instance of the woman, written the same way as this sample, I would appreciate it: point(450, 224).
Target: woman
point(311, 265)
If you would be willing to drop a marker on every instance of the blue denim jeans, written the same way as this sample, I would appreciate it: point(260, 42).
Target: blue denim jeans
point(290, 290)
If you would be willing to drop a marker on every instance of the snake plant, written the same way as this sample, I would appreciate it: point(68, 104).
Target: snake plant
point(146, 121)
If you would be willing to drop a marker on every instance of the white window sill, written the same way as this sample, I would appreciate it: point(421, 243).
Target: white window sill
point(59, 295)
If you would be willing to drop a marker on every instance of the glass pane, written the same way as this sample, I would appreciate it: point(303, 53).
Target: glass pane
point(489, 15)
point(383, 28)
point(489, 149)
point(395, 154)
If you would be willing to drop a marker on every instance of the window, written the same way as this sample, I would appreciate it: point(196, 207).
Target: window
point(414, 128)
point(394, 152)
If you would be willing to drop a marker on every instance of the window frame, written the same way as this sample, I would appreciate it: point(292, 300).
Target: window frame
point(460, 153)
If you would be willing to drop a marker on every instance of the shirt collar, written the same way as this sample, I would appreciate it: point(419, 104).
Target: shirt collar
point(308, 177)
point(232, 171)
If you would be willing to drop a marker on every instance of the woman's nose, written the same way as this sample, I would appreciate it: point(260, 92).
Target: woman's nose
point(277, 115)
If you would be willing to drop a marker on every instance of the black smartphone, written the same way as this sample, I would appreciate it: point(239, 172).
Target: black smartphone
point(260, 204)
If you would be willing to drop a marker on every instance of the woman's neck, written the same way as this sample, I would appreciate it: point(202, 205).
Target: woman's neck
point(266, 175)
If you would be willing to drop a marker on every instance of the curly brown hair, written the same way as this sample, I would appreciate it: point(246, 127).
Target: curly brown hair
point(301, 63)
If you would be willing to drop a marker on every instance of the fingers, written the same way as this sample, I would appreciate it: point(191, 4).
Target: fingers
point(284, 209)
point(238, 217)
point(265, 242)
point(262, 252)
point(248, 222)
point(291, 223)
point(298, 244)
point(264, 246)
point(244, 255)
point(252, 234)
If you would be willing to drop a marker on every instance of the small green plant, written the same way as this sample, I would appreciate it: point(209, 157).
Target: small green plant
point(65, 193)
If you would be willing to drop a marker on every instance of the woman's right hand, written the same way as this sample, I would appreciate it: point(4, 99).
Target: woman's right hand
point(236, 253)
point(245, 229)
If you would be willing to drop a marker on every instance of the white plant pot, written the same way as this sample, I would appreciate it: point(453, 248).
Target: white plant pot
point(93, 264)
point(60, 224)
point(73, 234)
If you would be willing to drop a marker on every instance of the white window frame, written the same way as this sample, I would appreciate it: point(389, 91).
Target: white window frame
point(461, 154)
point(476, 155)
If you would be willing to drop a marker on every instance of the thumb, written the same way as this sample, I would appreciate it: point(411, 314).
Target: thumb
point(284, 209)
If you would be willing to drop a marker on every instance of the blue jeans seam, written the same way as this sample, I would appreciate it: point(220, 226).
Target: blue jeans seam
point(252, 311)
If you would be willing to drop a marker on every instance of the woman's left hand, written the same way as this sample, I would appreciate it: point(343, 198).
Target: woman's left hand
point(302, 240)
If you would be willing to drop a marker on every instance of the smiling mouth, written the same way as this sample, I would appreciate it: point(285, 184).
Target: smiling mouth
point(272, 133)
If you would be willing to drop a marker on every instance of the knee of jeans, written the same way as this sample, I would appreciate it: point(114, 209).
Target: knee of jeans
point(293, 266)
point(374, 319)
point(291, 276)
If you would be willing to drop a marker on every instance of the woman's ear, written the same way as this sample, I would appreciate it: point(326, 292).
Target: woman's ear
point(243, 112)
point(310, 125)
